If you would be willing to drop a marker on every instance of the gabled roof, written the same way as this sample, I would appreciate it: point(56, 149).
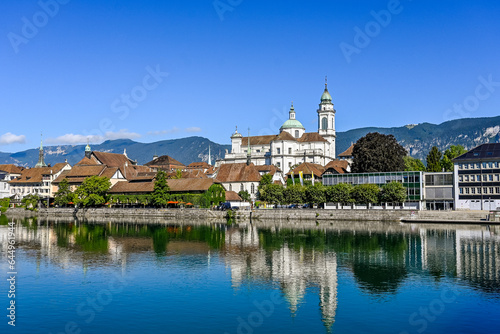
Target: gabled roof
point(340, 166)
point(285, 136)
point(481, 152)
point(311, 136)
point(78, 173)
point(307, 168)
point(347, 153)
point(233, 196)
point(132, 171)
point(11, 169)
point(35, 175)
point(112, 159)
point(200, 165)
point(239, 172)
point(188, 174)
point(87, 162)
point(164, 160)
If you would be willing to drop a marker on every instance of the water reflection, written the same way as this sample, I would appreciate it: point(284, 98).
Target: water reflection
point(293, 258)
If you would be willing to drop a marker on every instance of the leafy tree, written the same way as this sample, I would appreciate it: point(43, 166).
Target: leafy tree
point(244, 195)
point(339, 193)
point(433, 160)
point(215, 195)
point(365, 193)
point(160, 193)
point(315, 193)
point(93, 191)
point(4, 204)
point(413, 164)
point(294, 194)
point(265, 180)
point(393, 192)
point(376, 152)
point(272, 193)
point(178, 174)
point(30, 202)
point(64, 195)
point(451, 153)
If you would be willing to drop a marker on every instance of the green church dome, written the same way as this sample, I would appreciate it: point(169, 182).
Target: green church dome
point(326, 96)
point(291, 124)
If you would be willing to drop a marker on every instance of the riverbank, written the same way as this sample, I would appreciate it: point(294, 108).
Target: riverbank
point(310, 215)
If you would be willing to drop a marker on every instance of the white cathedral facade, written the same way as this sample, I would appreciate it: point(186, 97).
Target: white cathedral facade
point(293, 145)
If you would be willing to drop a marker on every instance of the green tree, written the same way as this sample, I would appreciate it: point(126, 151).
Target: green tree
point(64, 195)
point(4, 204)
point(451, 153)
point(244, 195)
point(93, 191)
point(271, 193)
point(433, 160)
point(178, 174)
point(294, 194)
point(214, 195)
point(265, 180)
point(339, 193)
point(376, 152)
point(315, 193)
point(161, 190)
point(365, 193)
point(413, 164)
point(393, 192)
point(30, 202)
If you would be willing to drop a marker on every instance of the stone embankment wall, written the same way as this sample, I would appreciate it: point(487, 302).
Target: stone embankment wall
point(159, 215)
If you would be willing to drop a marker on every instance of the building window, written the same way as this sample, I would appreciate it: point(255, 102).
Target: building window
point(289, 150)
point(252, 188)
point(484, 165)
point(461, 178)
point(278, 150)
point(461, 190)
point(473, 191)
point(496, 164)
point(497, 190)
point(296, 133)
point(479, 190)
point(324, 123)
point(485, 190)
point(289, 164)
point(490, 177)
point(241, 187)
point(460, 166)
point(472, 178)
point(278, 164)
point(466, 178)
point(466, 166)
point(491, 190)
point(477, 165)
point(467, 191)
point(490, 164)
point(485, 177)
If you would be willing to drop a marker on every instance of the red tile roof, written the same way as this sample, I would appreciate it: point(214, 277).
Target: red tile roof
point(268, 169)
point(348, 152)
point(112, 159)
point(188, 185)
point(165, 160)
point(258, 140)
point(310, 137)
point(35, 175)
point(239, 172)
point(11, 169)
point(132, 187)
point(233, 196)
point(307, 168)
point(200, 165)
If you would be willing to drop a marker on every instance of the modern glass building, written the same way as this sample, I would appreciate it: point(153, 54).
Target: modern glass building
point(412, 181)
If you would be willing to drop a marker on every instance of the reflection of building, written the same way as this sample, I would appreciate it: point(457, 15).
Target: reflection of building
point(293, 269)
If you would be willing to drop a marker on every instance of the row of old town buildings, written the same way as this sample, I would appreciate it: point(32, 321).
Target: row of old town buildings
point(473, 185)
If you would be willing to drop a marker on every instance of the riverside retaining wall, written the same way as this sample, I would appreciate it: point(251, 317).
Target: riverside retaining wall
point(158, 215)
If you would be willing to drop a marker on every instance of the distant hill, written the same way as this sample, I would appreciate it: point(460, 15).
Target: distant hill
point(417, 139)
point(185, 150)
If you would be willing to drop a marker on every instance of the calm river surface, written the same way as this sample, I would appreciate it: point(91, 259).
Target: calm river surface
point(197, 277)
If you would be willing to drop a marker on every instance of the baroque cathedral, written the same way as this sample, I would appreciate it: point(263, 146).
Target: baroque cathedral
point(293, 145)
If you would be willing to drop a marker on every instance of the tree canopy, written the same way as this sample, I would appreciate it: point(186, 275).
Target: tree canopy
point(413, 164)
point(393, 192)
point(366, 193)
point(160, 194)
point(433, 160)
point(376, 152)
point(451, 153)
point(271, 193)
point(339, 193)
point(64, 195)
point(93, 191)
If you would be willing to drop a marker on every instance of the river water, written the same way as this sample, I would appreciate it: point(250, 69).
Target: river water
point(200, 277)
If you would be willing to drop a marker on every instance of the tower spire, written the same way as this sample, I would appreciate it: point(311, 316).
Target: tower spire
point(41, 161)
point(209, 156)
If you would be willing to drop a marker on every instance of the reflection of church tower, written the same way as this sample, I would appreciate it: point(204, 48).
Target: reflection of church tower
point(41, 162)
point(328, 289)
point(326, 121)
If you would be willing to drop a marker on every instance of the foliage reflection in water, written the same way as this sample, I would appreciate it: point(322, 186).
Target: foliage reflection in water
point(248, 279)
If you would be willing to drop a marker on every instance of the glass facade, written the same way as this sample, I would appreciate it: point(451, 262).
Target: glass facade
point(412, 181)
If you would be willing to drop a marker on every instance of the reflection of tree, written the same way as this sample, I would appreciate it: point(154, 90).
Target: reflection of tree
point(160, 241)
point(378, 278)
point(92, 238)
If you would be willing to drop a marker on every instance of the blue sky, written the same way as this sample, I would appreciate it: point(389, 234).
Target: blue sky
point(155, 70)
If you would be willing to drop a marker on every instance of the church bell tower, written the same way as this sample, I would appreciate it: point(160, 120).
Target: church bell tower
point(326, 121)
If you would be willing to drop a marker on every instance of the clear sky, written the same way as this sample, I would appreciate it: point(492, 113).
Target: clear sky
point(154, 70)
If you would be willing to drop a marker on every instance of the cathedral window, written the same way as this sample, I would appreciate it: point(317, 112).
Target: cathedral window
point(296, 133)
point(324, 123)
